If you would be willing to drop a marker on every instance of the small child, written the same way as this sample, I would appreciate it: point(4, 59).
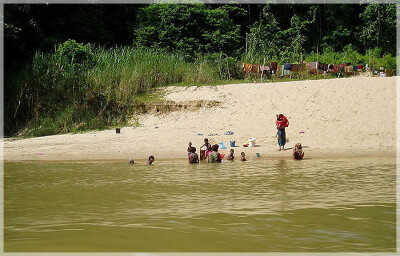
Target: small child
point(243, 157)
point(130, 161)
point(231, 156)
point(189, 149)
point(208, 147)
point(298, 153)
point(193, 157)
point(151, 160)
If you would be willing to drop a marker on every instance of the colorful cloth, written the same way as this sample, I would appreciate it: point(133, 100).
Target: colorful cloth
point(284, 72)
point(214, 157)
point(302, 67)
point(251, 68)
point(348, 69)
point(336, 68)
point(284, 122)
point(247, 67)
point(359, 66)
point(274, 65)
point(355, 68)
point(295, 67)
point(287, 66)
point(264, 68)
point(312, 66)
point(281, 137)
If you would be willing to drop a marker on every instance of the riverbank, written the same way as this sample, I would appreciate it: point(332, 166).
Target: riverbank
point(346, 117)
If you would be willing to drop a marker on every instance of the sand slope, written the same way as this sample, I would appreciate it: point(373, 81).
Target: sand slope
point(339, 117)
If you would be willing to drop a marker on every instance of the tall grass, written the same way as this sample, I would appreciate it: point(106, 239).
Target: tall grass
point(59, 94)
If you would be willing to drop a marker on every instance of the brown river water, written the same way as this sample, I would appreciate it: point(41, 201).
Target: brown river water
point(262, 205)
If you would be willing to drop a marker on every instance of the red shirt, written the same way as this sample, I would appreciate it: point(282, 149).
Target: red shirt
point(282, 123)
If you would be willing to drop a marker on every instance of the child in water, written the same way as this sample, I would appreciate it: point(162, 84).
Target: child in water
point(208, 149)
point(243, 157)
point(298, 153)
point(189, 149)
point(193, 157)
point(151, 160)
point(231, 156)
point(214, 156)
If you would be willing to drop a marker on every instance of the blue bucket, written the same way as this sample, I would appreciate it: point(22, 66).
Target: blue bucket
point(232, 143)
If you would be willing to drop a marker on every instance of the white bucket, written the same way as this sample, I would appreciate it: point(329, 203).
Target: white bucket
point(252, 142)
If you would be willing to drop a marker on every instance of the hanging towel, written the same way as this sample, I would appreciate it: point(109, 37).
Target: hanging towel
point(255, 68)
point(247, 67)
point(302, 66)
point(264, 68)
point(355, 68)
point(274, 65)
point(295, 67)
point(312, 65)
point(287, 66)
point(336, 68)
point(359, 66)
point(348, 69)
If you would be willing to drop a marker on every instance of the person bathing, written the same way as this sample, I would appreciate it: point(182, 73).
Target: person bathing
point(298, 153)
point(231, 156)
point(193, 157)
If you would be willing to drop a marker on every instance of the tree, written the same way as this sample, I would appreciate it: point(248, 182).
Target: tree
point(190, 29)
point(379, 28)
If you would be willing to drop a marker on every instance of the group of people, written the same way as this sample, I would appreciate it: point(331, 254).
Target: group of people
point(211, 153)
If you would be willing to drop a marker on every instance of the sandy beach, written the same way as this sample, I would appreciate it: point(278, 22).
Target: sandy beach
point(345, 117)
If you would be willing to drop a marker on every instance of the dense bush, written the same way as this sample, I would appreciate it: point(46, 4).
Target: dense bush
point(65, 92)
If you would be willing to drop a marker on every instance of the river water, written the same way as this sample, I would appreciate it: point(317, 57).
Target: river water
point(262, 205)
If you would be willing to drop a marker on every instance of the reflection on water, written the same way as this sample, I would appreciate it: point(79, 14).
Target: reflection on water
point(255, 206)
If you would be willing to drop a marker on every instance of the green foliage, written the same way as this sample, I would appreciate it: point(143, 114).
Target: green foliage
point(379, 28)
point(188, 29)
point(73, 52)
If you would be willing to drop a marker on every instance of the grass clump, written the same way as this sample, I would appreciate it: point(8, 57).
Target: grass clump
point(81, 87)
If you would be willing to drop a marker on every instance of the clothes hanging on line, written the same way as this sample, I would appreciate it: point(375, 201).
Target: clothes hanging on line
point(287, 66)
point(274, 65)
point(348, 69)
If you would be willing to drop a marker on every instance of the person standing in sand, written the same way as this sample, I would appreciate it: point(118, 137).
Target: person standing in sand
point(281, 124)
